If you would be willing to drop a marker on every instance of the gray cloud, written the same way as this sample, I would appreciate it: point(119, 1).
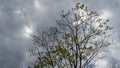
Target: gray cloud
point(16, 14)
point(12, 43)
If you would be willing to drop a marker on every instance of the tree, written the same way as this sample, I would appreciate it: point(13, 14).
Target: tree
point(78, 36)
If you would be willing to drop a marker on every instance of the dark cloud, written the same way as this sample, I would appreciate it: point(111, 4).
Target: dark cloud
point(16, 14)
point(12, 43)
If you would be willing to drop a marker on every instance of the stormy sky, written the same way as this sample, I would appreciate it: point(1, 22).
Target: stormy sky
point(19, 18)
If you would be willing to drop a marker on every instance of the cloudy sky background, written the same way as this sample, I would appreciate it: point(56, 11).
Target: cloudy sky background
point(19, 18)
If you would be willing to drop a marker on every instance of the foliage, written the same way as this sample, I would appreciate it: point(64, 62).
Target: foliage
point(74, 42)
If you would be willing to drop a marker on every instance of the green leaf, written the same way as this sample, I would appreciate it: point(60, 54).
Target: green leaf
point(84, 47)
point(75, 39)
point(82, 6)
point(100, 25)
point(90, 47)
point(78, 5)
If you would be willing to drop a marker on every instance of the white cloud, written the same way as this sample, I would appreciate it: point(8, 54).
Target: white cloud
point(101, 64)
point(36, 4)
point(106, 14)
point(39, 6)
point(27, 31)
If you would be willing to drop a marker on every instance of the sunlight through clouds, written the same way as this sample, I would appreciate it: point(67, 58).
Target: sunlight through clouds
point(38, 6)
point(28, 30)
point(20, 18)
point(106, 14)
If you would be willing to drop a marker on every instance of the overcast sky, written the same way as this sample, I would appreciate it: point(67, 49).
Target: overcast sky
point(19, 18)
